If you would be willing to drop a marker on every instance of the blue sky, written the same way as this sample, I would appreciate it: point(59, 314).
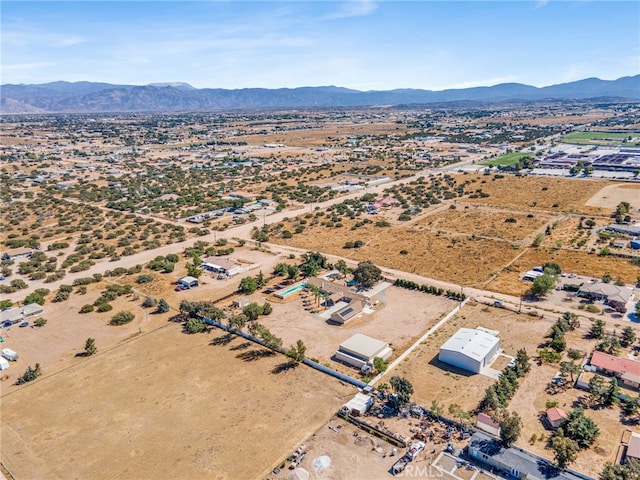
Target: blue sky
point(365, 45)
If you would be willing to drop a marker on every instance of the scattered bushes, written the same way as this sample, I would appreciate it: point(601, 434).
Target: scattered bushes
point(122, 318)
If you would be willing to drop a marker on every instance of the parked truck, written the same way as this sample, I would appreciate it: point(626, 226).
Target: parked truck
point(412, 453)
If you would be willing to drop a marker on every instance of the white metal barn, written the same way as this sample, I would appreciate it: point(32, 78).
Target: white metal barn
point(470, 349)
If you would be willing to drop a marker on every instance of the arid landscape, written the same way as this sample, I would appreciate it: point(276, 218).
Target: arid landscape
point(184, 225)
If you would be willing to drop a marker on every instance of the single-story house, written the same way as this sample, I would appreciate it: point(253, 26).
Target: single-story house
point(633, 448)
point(513, 462)
point(625, 369)
point(17, 253)
point(359, 404)
point(487, 424)
point(555, 416)
point(360, 350)
point(188, 282)
point(168, 197)
point(349, 311)
point(613, 295)
point(221, 265)
point(336, 292)
point(18, 314)
point(243, 195)
point(470, 349)
point(631, 230)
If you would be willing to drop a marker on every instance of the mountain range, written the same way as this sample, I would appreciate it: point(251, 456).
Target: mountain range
point(84, 97)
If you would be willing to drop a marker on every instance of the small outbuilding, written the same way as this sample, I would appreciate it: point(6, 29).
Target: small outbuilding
point(359, 404)
point(360, 350)
point(487, 424)
point(470, 349)
point(555, 416)
point(633, 448)
point(188, 282)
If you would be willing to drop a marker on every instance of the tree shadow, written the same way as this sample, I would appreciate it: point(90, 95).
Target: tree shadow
point(284, 367)
point(179, 318)
point(253, 355)
point(222, 340)
point(81, 354)
point(241, 346)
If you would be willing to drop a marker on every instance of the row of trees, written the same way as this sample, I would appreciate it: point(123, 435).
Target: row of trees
point(430, 289)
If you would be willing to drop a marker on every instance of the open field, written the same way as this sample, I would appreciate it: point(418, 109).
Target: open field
point(538, 193)
point(468, 245)
point(163, 408)
point(434, 380)
point(508, 159)
point(600, 138)
point(569, 260)
point(495, 223)
point(610, 196)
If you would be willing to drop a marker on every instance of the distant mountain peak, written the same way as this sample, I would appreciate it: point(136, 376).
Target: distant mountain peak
point(82, 97)
point(183, 85)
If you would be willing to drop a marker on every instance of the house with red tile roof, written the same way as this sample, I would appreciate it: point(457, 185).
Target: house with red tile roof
point(625, 369)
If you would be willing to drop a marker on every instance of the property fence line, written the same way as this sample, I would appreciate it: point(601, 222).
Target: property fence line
point(418, 342)
point(306, 361)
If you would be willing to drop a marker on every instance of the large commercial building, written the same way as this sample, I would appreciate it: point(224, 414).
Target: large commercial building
point(470, 349)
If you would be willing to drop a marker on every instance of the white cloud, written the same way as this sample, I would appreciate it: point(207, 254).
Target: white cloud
point(355, 8)
point(25, 67)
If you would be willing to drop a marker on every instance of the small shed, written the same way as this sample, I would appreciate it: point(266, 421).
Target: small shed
point(359, 404)
point(488, 424)
point(188, 282)
point(633, 449)
point(555, 416)
point(4, 364)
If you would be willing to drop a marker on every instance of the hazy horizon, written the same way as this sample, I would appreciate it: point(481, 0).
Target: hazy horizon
point(361, 45)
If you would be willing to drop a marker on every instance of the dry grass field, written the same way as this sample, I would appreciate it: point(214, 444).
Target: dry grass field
point(609, 197)
point(165, 405)
point(485, 223)
point(570, 261)
point(434, 380)
point(539, 193)
point(472, 243)
point(530, 399)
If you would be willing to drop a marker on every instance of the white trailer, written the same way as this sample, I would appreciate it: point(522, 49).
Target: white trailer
point(9, 354)
point(4, 364)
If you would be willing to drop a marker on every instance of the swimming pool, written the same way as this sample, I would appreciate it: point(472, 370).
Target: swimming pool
point(288, 291)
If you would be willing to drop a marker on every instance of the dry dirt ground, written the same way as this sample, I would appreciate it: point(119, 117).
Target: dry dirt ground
point(166, 405)
point(609, 197)
point(400, 317)
point(434, 380)
point(531, 397)
point(581, 263)
point(353, 454)
point(56, 345)
point(472, 243)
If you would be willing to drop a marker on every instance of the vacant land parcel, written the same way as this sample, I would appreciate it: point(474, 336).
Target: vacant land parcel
point(166, 405)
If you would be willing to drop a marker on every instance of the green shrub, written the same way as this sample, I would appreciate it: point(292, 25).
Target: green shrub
point(122, 318)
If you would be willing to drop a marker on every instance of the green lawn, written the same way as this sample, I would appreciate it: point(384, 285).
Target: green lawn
point(598, 138)
point(508, 159)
